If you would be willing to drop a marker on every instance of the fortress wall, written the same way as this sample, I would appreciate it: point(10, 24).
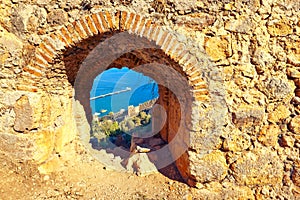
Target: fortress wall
point(254, 44)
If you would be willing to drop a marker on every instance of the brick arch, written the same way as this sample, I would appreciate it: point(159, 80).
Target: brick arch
point(205, 81)
point(99, 23)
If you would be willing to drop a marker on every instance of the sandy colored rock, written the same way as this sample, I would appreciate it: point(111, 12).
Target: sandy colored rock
point(240, 25)
point(24, 112)
point(247, 115)
point(294, 54)
point(236, 141)
point(268, 135)
point(262, 64)
point(294, 125)
point(57, 17)
point(217, 48)
point(293, 73)
point(296, 174)
point(28, 18)
point(280, 113)
point(140, 164)
point(215, 190)
point(286, 141)
point(258, 167)
point(212, 166)
point(280, 28)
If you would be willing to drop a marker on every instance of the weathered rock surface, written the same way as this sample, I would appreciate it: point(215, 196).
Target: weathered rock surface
point(236, 141)
point(280, 113)
point(268, 135)
point(246, 116)
point(212, 167)
point(296, 174)
point(217, 48)
point(253, 45)
point(258, 167)
point(24, 114)
point(295, 125)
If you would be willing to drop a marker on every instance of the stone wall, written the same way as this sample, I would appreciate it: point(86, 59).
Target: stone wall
point(239, 59)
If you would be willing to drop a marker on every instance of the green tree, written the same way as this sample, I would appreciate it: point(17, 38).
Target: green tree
point(143, 115)
point(137, 121)
point(110, 128)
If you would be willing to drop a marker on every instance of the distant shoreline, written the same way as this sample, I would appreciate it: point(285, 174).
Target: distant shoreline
point(131, 110)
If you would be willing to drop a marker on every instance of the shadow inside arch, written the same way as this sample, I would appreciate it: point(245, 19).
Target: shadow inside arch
point(178, 111)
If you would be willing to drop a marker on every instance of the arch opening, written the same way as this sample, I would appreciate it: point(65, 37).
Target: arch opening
point(121, 101)
point(84, 62)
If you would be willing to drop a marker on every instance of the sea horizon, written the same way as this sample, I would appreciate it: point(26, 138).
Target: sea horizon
point(143, 89)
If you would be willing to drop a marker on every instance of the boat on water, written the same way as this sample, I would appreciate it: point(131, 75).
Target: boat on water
point(111, 93)
point(103, 111)
point(97, 114)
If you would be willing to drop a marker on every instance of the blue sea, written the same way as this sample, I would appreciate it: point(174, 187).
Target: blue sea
point(143, 89)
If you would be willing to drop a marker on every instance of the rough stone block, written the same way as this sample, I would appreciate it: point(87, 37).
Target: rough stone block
point(217, 48)
point(24, 112)
point(280, 113)
point(208, 168)
point(294, 125)
point(279, 28)
point(258, 167)
point(268, 135)
point(236, 141)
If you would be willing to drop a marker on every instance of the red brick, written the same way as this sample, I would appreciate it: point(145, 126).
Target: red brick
point(103, 21)
point(194, 74)
point(68, 37)
point(147, 28)
point(167, 41)
point(129, 21)
point(152, 31)
point(44, 55)
point(123, 19)
point(139, 29)
point(57, 42)
point(184, 58)
point(116, 20)
point(46, 49)
point(202, 98)
point(135, 23)
point(191, 63)
point(195, 81)
point(200, 86)
point(79, 30)
point(155, 34)
point(85, 27)
point(98, 23)
point(33, 71)
point(40, 61)
point(91, 24)
point(201, 92)
point(62, 39)
point(74, 35)
point(190, 69)
point(27, 88)
point(109, 20)
point(182, 54)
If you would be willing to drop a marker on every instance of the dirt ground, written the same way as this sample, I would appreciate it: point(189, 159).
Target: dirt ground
point(82, 177)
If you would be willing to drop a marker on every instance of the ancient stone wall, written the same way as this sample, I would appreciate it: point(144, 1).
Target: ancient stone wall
point(240, 59)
